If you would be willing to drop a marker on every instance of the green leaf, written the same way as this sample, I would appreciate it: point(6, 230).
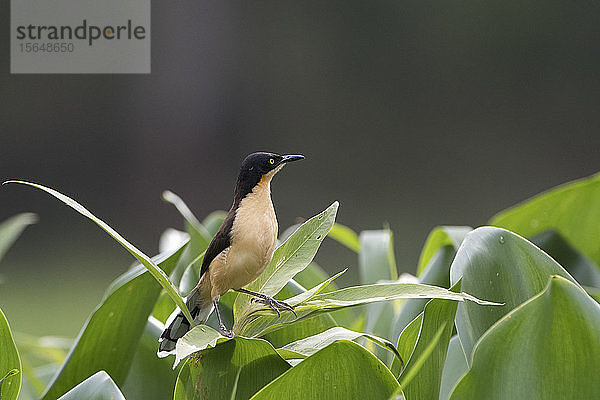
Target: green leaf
point(425, 382)
point(40, 360)
point(313, 275)
point(593, 292)
point(572, 209)
point(342, 370)
point(158, 274)
point(97, 387)
point(345, 236)
point(310, 345)
point(291, 257)
point(420, 361)
point(376, 263)
point(191, 260)
point(497, 264)
point(547, 348)
point(10, 364)
point(110, 336)
point(213, 221)
point(376, 260)
point(407, 342)
point(310, 276)
point(437, 273)
point(252, 324)
point(306, 327)
point(299, 330)
point(258, 320)
point(355, 295)
point(149, 377)
point(12, 228)
point(235, 369)
point(198, 338)
point(584, 270)
point(454, 368)
point(439, 237)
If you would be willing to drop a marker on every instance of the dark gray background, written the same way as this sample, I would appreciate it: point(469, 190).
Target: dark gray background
point(413, 113)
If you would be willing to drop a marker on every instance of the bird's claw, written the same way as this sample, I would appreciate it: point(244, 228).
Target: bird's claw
point(275, 305)
point(226, 332)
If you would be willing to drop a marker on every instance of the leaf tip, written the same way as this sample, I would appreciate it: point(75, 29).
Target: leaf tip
point(167, 195)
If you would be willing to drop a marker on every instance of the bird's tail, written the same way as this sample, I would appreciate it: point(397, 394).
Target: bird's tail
point(177, 325)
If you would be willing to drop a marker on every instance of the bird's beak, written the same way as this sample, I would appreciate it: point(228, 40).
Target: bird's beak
point(291, 157)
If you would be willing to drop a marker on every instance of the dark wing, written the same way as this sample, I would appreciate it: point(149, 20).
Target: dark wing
point(220, 242)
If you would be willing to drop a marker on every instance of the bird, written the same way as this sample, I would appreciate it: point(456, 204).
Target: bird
point(238, 253)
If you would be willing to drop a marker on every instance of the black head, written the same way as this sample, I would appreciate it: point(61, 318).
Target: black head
point(258, 165)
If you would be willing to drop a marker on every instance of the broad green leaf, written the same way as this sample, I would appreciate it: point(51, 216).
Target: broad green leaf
point(593, 292)
point(149, 377)
point(454, 368)
point(194, 255)
point(172, 239)
point(163, 308)
point(407, 342)
point(213, 222)
point(12, 228)
point(345, 236)
point(299, 330)
point(419, 362)
point(313, 275)
point(376, 260)
point(497, 264)
point(310, 345)
point(573, 209)
point(234, 369)
point(437, 273)
point(198, 338)
point(291, 257)
point(578, 265)
point(376, 263)
point(191, 260)
point(40, 360)
point(355, 295)
point(427, 376)
point(342, 370)
point(293, 329)
point(110, 336)
point(547, 348)
point(439, 237)
point(97, 387)
point(10, 364)
point(257, 320)
point(306, 327)
point(303, 297)
point(156, 272)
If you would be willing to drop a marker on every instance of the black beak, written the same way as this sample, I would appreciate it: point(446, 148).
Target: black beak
point(291, 157)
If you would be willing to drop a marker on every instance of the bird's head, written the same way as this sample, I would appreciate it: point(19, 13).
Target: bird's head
point(261, 167)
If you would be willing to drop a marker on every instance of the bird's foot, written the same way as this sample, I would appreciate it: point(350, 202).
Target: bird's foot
point(275, 305)
point(226, 332)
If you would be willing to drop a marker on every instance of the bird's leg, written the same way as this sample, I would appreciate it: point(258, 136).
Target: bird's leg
point(268, 301)
point(222, 328)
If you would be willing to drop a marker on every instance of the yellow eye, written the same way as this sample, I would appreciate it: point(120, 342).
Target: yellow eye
point(271, 161)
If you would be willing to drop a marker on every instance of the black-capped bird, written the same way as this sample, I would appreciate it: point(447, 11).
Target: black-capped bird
point(240, 251)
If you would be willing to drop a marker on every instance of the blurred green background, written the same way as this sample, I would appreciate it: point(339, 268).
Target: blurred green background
point(410, 113)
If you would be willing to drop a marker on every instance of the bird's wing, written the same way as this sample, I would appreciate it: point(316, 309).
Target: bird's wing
point(220, 242)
